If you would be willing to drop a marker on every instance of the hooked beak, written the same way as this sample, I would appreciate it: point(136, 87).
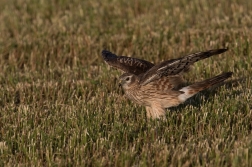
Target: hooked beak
point(120, 83)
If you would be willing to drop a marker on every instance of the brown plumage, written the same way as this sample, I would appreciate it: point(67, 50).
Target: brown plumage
point(159, 87)
point(126, 64)
point(176, 66)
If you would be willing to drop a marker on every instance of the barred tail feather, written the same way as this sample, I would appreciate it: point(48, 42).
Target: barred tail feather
point(191, 90)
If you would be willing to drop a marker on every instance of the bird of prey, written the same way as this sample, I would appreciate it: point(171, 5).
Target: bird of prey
point(157, 87)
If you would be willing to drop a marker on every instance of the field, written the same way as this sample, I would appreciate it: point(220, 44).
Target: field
point(60, 104)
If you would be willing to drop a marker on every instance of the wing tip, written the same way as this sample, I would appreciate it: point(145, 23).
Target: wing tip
point(228, 74)
point(224, 49)
point(219, 51)
point(105, 52)
point(107, 55)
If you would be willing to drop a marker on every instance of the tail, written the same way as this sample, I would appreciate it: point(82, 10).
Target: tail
point(191, 90)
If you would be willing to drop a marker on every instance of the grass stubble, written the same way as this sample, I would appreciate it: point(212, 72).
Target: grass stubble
point(60, 104)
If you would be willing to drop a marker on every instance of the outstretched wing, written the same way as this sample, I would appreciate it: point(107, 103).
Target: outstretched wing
point(126, 64)
point(176, 65)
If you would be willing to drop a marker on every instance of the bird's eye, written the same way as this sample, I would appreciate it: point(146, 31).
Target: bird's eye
point(127, 79)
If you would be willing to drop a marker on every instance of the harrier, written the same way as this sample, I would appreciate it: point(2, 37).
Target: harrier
point(158, 87)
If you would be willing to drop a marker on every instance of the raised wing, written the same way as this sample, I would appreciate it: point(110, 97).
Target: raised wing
point(175, 66)
point(126, 64)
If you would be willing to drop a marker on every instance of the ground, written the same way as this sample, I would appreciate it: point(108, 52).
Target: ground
point(60, 104)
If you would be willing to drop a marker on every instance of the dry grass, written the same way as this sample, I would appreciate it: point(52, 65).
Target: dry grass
point(60, 104)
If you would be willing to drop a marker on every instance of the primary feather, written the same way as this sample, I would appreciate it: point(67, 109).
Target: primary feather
point(126, 64)
point(176, 66)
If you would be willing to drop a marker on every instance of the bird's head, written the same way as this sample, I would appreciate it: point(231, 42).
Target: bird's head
point(128, 80)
